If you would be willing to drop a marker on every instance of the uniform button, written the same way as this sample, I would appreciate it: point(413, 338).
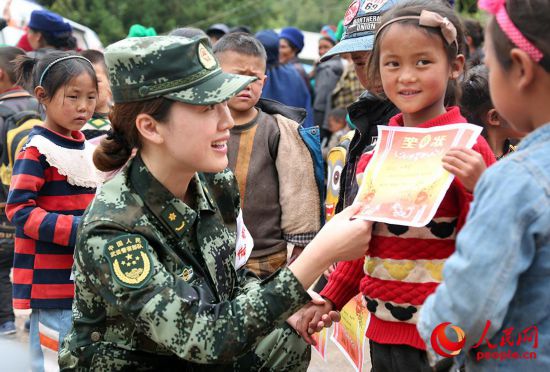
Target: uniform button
point(95, 336)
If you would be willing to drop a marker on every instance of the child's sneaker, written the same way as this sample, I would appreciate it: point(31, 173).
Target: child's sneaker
point(7, 328)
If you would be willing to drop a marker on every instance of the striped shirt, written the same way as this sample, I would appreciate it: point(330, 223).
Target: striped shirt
point(45, 209)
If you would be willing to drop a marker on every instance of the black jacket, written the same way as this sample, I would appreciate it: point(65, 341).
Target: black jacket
point(366, 114)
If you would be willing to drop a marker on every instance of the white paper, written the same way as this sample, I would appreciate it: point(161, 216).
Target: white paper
point(245, 243)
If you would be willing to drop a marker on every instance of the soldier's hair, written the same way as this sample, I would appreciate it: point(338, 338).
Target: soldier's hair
point(29, 71)
point(115, 150)
point(7, 63)
point(414, 8)
point(241, 43)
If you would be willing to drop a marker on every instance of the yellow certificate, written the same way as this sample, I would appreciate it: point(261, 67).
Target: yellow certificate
point(349, 333)
point(404, 182)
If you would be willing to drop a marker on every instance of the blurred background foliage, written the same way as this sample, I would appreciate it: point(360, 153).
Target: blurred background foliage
point(112, 19)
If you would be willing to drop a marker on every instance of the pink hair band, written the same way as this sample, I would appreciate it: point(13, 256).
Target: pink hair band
point(498, 8)
point(515, 35)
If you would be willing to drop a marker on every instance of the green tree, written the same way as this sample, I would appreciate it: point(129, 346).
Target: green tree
point(112, 19)
point(467, 6)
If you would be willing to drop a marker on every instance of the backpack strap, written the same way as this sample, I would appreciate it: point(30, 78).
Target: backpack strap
point(6, 112)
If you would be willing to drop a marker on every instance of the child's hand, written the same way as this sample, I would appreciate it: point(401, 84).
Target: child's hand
point(313, 317)
point(466, 164)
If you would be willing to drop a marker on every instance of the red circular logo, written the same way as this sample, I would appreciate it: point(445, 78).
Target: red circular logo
point(351, 12)
point(441, 343)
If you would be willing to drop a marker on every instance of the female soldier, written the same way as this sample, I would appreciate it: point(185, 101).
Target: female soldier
point(158, 251)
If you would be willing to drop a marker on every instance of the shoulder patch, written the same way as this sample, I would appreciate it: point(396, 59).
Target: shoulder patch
point(129, 260)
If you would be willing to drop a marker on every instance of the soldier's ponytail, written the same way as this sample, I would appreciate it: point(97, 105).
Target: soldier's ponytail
point(115, 150)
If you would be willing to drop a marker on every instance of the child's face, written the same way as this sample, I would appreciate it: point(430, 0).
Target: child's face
point(324, 47)
point(71, 106)
point(243, 64)
point(105, 96)
point(415, 70)
point(360, 61)
point(335, 124)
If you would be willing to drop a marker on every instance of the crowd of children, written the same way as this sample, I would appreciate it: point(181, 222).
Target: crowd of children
point(481, 261)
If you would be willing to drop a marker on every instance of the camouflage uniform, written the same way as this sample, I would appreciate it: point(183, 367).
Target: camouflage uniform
point(156, 287)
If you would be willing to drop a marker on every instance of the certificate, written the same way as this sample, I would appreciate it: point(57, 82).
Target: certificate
point(405, 182)
point(349, 333)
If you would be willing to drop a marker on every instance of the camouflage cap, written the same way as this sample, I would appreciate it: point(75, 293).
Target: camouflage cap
point(174, 67)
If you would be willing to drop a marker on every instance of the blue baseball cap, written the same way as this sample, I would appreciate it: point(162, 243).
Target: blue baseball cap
point(360, 23)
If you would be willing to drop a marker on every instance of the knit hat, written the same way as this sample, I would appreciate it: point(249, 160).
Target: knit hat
point(328, 32)
point(270, 41)
point(138, 30)
point(44, 20)
point(360, 23)
point(173, 67)
point(294, 37)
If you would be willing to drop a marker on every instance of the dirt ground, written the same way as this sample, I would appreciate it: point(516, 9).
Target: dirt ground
point(335, 360)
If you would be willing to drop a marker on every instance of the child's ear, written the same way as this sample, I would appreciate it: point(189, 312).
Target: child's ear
point(523, 68)
point(457, 67)
point(148, 127)
point(40, 93)
point(263, 80)
point(492, 118)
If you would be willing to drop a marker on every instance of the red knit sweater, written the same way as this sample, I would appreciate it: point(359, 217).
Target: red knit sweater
point(403, 265)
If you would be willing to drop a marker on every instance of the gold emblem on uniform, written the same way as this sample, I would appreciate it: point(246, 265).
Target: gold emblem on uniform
point(174, 219)
point(129, 260)
point(187, 274)
point(206, 58)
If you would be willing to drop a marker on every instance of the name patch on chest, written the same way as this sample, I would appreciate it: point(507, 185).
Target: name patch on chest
point(129, 260)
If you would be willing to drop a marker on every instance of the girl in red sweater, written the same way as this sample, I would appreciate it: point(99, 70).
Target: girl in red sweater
point(417, 59)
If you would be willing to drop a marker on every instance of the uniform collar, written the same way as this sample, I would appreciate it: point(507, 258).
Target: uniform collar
point(175, 214)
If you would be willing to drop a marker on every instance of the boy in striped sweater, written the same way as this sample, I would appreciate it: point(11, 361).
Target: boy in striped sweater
point(53, 182)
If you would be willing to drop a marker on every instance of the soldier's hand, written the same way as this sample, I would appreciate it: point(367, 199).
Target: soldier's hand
point(325, 322)
point(344, 239)
point(316, 299)
point(318, 316)
point(341, 239)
